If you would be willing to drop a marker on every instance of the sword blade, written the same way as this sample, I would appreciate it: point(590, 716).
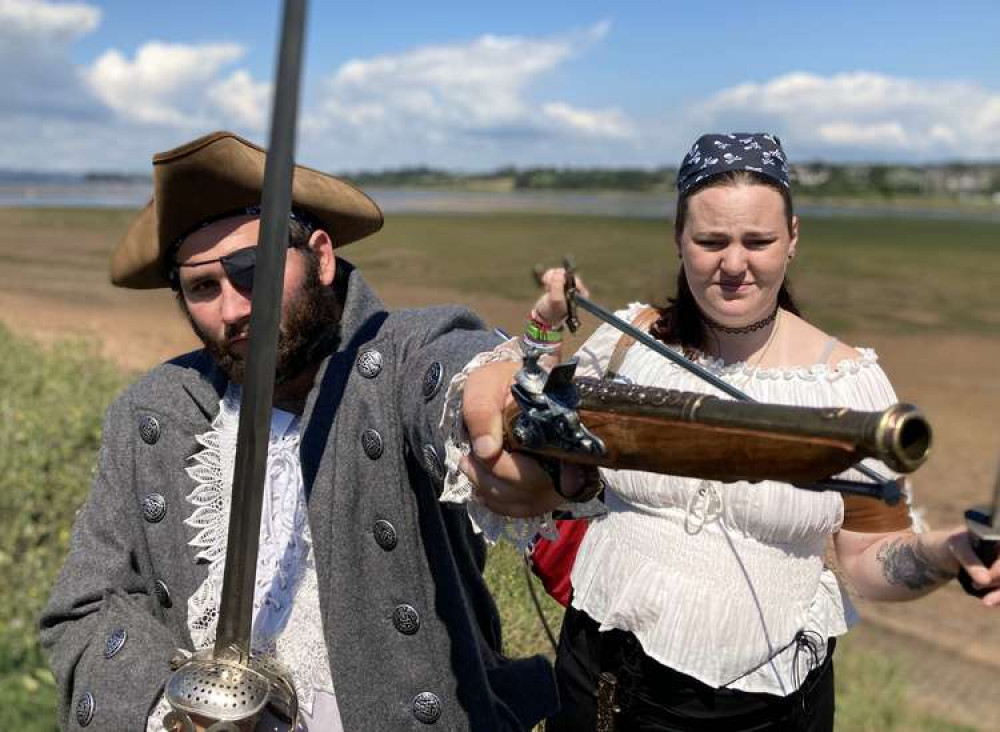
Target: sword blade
point(236, 604)
point(995, 508)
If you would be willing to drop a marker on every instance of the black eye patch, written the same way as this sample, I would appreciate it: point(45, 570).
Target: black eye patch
point(238, 266)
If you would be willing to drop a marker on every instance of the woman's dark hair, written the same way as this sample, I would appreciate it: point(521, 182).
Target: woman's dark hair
point(680, 321)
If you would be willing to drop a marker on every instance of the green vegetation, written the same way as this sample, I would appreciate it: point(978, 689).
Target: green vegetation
point(523, 633)
point(879, 182)
point(892, 275)
point(557, 179)
point(871, 694)
point(51, 405)
point(852, 274)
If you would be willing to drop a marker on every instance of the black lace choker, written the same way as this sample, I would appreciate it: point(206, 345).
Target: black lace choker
point(743, 329)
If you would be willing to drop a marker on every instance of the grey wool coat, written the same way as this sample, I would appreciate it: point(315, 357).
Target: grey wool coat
point(381, 539)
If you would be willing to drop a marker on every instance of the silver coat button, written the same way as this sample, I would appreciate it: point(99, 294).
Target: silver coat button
point(427, 707)
point(406, 619)
point(432, 462)
point(433, 378)
point(385, 535)
point(369, 363)
point(154, 508)
point(85, 709)
point(115, 642)
point(162, 593)
point(149, 430)
point(371, 443)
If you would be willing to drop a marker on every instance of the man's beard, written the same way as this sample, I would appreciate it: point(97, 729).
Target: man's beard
point(309, 331)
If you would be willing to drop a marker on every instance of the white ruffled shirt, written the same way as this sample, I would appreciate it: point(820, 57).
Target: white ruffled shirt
point(718, 580)
point(287, 625)
point(722, 582)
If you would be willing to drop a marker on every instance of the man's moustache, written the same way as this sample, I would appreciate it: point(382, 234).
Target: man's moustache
point(238, 330)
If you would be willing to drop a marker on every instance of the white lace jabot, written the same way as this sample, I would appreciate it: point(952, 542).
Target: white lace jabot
point(287, 625)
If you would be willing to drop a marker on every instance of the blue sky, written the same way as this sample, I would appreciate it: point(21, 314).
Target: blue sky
point(473, 86)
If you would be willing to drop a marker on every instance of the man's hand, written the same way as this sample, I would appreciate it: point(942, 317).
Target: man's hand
point(510, 484)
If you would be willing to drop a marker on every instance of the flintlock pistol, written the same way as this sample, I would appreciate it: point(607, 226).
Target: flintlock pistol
point(625, 426)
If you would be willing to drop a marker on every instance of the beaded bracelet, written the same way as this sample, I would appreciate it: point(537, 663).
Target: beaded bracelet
point(536, 333)
point(542, 323)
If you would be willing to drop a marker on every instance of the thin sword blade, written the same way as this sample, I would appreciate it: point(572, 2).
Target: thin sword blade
point(236, 604)
point(995, 507)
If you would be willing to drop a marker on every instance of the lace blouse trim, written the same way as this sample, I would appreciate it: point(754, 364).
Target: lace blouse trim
point(457, 487)
point(597, 350)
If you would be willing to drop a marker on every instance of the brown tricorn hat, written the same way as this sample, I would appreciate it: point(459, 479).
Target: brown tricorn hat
point(214, 175)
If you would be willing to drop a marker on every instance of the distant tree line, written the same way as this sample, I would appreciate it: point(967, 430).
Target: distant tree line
point(615, 179)
point(816, 178)
point(955, 179)
point(946, 180)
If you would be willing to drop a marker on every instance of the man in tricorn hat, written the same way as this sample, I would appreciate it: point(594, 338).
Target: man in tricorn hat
point(368, 589)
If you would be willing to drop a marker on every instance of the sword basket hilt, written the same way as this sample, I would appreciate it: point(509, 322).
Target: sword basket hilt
point(228, 696)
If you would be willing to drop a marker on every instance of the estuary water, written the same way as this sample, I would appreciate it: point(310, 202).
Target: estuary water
point(70, 193)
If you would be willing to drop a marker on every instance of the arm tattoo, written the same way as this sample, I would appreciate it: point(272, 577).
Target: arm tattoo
point(905, 563)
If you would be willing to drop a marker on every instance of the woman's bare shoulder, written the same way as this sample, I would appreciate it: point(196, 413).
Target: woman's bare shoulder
point(812, 345)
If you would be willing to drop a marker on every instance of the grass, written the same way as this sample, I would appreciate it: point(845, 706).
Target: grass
point(871, 694)
point(890, 275)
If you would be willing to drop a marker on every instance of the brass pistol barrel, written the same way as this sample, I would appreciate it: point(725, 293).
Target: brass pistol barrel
point(698, 435)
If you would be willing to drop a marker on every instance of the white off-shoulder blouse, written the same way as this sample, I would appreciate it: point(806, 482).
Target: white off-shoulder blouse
point(723, 582)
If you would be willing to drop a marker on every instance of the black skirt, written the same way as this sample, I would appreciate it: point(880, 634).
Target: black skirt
point(649, 696)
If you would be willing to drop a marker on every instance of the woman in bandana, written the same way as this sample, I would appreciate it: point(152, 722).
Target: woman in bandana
point(711, 605)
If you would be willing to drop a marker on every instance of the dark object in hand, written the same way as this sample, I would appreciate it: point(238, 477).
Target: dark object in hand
point(985, 542)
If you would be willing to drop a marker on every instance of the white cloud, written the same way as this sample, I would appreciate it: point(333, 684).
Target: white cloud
point(880, 134)
point(597, 123)
point(166, 82)
point(243, 100)
point(114, 112)
point(39, 79)
point(26, 21)
point(489, 101)
point(469, 103)
point(865, 114)
point(460, 99)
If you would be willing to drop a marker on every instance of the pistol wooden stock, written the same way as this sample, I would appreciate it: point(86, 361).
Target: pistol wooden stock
point(697, 435)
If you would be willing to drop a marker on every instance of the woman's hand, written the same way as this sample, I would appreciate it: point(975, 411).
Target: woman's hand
point(551, 306)
point(983, 577)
